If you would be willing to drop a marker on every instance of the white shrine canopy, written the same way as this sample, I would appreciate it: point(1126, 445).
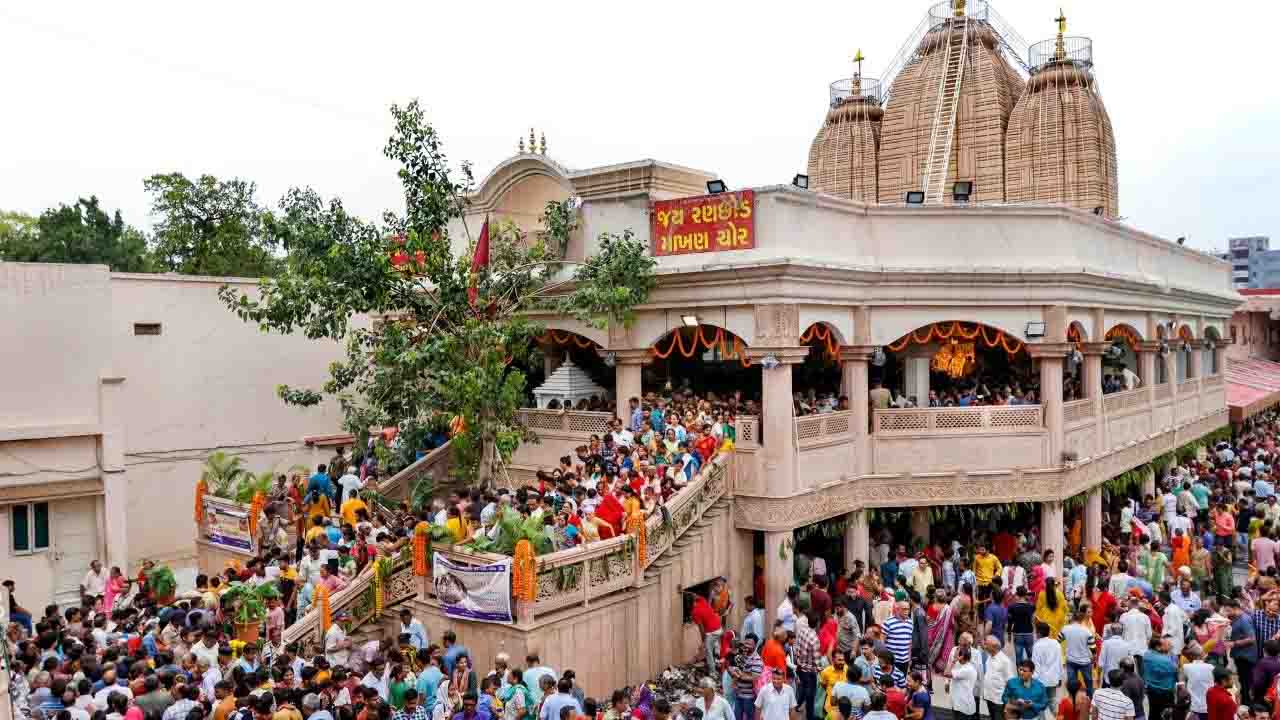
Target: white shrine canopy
point(568, 384)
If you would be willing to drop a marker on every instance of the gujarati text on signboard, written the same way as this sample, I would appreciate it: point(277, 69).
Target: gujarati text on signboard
point(707, 223)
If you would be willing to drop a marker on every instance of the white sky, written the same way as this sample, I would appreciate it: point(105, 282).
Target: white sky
point(100, 95)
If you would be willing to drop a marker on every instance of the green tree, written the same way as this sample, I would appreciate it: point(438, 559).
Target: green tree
point(79, 233)
point(210, 227)
point(429, 350)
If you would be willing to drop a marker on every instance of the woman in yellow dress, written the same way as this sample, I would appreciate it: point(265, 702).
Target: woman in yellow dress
point(1051, 607)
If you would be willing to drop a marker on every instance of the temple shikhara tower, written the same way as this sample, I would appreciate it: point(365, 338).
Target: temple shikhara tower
point(968, 112)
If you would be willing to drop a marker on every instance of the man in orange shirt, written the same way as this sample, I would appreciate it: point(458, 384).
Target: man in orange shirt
point(774, 653)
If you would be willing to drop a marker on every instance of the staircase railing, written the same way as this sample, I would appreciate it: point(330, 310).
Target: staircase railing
point(434, 464)
point(360, 599)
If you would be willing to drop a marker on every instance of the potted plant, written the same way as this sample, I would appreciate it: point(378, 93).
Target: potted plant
point(246, 605)
point(162, 584)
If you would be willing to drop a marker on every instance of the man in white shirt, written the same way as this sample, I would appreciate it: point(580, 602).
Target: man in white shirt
point(1131, 379)
point(1199, 675)
point(1136, 624)
point(710, 704)
point(1175, 624)
point(1046, 653)
point(776, 701)
point(309, 566)
point(350, 484)
point(1119, 584)
point(787, 610)
point(379, 678)
point(1114, 649)
point(95, 581)
point(337, 648)
point(996, 668)
point(411, 626)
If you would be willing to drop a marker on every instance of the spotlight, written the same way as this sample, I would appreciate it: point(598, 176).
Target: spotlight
point(1035, 329)
point(689, 320)
point(715, 187)
point(962, 190)
point(915, 197)
point(801, 181)
point(1098, 211)
point(1182, 240)
point(769, 362)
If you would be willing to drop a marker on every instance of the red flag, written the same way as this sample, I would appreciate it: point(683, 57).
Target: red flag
point(480, 260)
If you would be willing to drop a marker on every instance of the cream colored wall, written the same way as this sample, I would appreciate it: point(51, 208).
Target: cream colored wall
point(33, 574)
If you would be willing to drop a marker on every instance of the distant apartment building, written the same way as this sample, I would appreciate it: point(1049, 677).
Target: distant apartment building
point(1253, 263)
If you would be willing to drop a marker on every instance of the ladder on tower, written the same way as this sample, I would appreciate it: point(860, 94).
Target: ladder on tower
point(944, 113)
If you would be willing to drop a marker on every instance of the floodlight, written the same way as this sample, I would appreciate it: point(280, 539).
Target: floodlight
point(689, 320)
point(915, 197)
point(801, 181)
point(715, 187)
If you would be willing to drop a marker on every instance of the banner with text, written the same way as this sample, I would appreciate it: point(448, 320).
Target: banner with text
point(227, 524)
point(707, 223)
point(473, 592)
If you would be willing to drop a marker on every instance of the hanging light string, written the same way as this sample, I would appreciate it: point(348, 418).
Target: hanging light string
point(955, 329)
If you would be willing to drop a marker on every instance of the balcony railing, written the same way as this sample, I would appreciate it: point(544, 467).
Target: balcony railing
point(1212, 380)
point(822, 429)
point(1121, 401)
point(1189, 387)
point(1163, 391)
point(568, 422)
point(748, 429)
point(1077, 411)
point(990, 418)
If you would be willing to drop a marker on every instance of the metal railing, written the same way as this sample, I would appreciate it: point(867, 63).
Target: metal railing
point(1074, 49)
point(842, 91)
point(987, 418)
point(946, 10)
point(1077, 411)
point(822, 428)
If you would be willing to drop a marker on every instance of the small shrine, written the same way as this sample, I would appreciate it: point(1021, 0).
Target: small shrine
point(567, 385)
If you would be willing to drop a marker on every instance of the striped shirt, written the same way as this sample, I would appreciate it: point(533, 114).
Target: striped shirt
point(895, 678)
point(1112, 704)
point(897, 637)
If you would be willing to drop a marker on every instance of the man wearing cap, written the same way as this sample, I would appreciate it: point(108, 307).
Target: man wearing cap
point(337, 647)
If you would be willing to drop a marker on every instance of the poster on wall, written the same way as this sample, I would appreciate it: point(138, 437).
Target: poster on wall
point(473, 592)
point(706, 223)
point(227, 524)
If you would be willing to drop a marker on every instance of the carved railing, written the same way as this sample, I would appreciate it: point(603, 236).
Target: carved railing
point(748, 430)
point(434, 464)
point(566, 422)
point(360, 599)
point(1122, 401)
point(1077, 411)
point(988, 418)
point(1163, 391)
point(1212, 380)
point(823, 429)
point(1189, 387)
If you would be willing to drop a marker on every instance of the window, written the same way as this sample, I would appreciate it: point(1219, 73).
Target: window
point(146, 328)
point(30, 525)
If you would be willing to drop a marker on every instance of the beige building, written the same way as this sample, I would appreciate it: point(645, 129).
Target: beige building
point(116, 387)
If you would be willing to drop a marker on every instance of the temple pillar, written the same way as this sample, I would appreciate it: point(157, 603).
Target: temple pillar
point(115, 481)
point(1093, 519)
point(1194, 369)
point(779, 564)
point(919, 527)
point(916, 379)
point(855, 370)
point(627, 367)
point(1051, 357)
point(1147, 369)
point(777, 424)
point(1052, 532)
point(857, 539)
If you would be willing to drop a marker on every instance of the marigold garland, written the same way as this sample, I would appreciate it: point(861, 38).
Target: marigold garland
point(699, 340)
point(255, 508)
point(946, 331)
point(202, 489)
point(555, 337)
point(421, 548)
point(1123, 332)
point(524, 572)
point(831, 347)
point(379, 588)
point(636, 526)
point(322, 601)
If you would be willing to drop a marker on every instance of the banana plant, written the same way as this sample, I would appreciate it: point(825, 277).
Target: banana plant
point(222, 473)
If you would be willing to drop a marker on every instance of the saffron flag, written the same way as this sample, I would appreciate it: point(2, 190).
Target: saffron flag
point(479, 260)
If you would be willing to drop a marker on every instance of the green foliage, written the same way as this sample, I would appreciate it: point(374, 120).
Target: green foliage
point(209, 226)
point(248, 603)
point(251, 484)
point(432, 350)
point(78, 233)
point(222, 474)
point(511, 530)
point(559, 220)
point(161, 582)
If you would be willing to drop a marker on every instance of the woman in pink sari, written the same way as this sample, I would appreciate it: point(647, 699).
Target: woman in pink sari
point(116, 587)
point(942, 634)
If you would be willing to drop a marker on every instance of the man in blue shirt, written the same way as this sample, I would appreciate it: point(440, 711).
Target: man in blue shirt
point(320, 484)
point(658, 417)
point(430, 677)
point(1024, 693)
point(637, 423)
point(1160, 674)
point(753, 622)
point(561, 699)
point(1243, 646)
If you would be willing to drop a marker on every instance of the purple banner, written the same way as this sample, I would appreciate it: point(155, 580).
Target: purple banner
point(473, 592)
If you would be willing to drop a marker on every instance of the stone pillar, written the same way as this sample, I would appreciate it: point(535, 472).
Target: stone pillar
point(1091, 382)
point(115, 481)
point(1051, 357)
point(919, 527)
point(777, 426)
point(916, 380)
point(1052, 532)
point(1093, 519)
point(857, 539)
point(1147, 368)
point(1194, 369)
point(855, 372)
point(1220, 357)
point(626, 378)
point(779, 564)
point(1149, 483)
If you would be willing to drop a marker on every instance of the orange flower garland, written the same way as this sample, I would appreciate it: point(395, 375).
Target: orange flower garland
point(255, 508)
point(322, 601)
point(945, 331)
point(421, 548)
point(636, 526)
point(825, 336)
point(524, 572)
point(553, 336)
point(201, 490)
point(700, 340)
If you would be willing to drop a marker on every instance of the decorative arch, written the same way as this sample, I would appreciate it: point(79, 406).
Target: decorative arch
point(511, 172)
point(954, 329)
point(1212, 333)
point(1076, 332)
point(561, 327)
point(1125, 332)
point(826, 334)
point(687, 341)
point(1186, 333)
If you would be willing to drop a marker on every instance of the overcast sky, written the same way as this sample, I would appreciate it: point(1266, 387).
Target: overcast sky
point(100, 95)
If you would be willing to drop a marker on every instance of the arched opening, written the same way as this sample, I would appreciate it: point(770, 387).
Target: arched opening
point(1182, 353)
point(567, 372)
point(703, 361)
point(1209, 363)
point(954, 363)
point(1073, 369)
point(816, 381)
point(1120, 362)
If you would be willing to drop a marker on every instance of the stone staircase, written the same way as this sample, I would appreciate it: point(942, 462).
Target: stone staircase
point(694, 535)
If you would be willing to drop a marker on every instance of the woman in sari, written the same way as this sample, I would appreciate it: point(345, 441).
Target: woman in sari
point(942, 634)
point(1181, 545)
point(447, 701)
point(116, 587)
point(642, 703)
point(1051, 607)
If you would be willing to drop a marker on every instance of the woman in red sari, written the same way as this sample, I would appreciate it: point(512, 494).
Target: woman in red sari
point(827, 631)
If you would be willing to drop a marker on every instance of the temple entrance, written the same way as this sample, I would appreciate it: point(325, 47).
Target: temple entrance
point(816, 381)
point(1122, 355)
point(584, 380)
point(949, 364)
point(703, 361)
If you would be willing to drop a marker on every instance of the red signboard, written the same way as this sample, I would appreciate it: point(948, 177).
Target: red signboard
point(708, 223)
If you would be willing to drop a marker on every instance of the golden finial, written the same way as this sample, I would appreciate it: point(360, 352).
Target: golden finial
point(542, 143)
point(856, 84)
point(1060, 47)
point(533, 147)
point(521, 147)
point(1062, 22)
point(959, 6)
